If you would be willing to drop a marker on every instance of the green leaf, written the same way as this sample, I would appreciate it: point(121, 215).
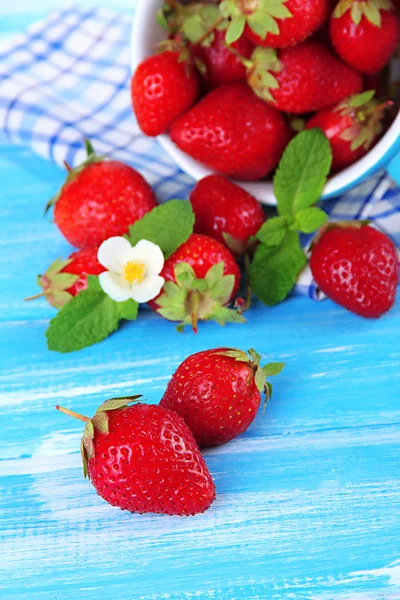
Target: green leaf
point(274, 271)
point(87, 319)
point(273, 231)
point(302, 172)
point(273, 369)
point(168, 225)
point(128, 310)
point(309, 220)
point(100, 422)
point(360, 99)
point(235, 29)
point(115, 403)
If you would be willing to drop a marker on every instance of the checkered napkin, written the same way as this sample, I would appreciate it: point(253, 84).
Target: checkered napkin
point(67, 78)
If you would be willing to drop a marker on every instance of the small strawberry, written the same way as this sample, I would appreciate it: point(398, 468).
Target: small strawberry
point(233, 132)
point(218, 393)
point(64, 279)
point(365, 33)
point(202, 278)
point(226, 212)
point(164, 86)
point(357, 267)
point(302, 79)
point(100, 199)
point(352, 127)
point(144, 459)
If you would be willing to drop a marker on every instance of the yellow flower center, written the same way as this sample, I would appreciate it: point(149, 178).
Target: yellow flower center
point(134, 271)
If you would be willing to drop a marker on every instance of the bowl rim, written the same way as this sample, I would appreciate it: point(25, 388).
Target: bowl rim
point(262, 190)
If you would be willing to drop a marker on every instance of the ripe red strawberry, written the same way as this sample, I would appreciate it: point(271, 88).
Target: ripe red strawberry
point(144, 459)
point(100, 199)
point(352, 127)
point(218, 393)
point(302, 79)
point(302, 18)
point(226, 212)
point(163, 87)
point(357, 267)
point(66, 278)
point(219, 64)
point(202, 278)
point(233, 132)
point(365, 33)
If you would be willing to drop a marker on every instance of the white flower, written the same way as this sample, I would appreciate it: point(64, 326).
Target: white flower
point(133, 272)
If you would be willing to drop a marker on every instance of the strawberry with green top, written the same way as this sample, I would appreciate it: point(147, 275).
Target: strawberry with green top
point(144, 459)
point(365, 33)
point(302, 79)
point(278, 24)
point(352, 127)
point(218, 393)
point(101, 198)
point(64, 279)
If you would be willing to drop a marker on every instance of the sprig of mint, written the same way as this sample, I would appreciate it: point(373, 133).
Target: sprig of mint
point(298, 185)
point(92, 316)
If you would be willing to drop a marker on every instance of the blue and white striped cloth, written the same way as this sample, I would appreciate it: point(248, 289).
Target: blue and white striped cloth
point(67, 78)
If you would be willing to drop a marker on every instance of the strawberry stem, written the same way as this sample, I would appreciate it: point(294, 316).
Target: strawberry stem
point(375, 109)
point(209, 31)
point(67, 166)
point(35, 297)
point(73, 414)
point(194, 310)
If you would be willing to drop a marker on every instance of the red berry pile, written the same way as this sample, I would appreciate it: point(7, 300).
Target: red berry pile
point(232, 73)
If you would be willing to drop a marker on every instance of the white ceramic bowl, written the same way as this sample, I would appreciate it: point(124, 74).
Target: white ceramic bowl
point(146, 33)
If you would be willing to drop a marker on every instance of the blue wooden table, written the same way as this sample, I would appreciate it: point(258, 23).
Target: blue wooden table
point(308, 502)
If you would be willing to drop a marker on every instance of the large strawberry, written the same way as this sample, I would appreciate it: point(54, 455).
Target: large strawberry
point(233, 132)
point(352, 127)
point(302, 79)
point(100, 199)
point(64, 279)
point(202, 278)
point(218, 393)
point(164, 86)
point(357, 267)
point(226, 212)
point(277, 24)
point(143, 459)
point(365, 33)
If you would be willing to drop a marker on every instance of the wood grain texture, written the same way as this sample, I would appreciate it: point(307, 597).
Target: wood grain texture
point(308, 499)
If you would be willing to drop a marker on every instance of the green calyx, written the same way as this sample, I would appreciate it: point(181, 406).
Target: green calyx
point(98, 423)
point(73, 173)
point(55, 284)
point(260, 15)
point(261, 67)
point(191, 300)
point(261, 373)
point(370, 9)
point(194, 22)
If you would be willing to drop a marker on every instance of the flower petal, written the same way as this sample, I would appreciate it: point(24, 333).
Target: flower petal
point(115, 286)
point(147, 289)
point(114, 253)
point(150, 255)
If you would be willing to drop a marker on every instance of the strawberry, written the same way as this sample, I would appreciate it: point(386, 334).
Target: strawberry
point(352, 127)
point(299, 20)
point(64, 279)
point(218, 393)
point(226, 212)
point(100, 199)
point(302, 79)
point(218, 63)
point(202, 278)
point(357, 267)
point(233, 132)
point(365, 33)
point(144, 459)
point(164, 86)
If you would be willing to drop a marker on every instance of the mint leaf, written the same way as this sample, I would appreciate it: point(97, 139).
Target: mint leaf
point(273, 231)
point(302, 172)
point(274, 270)
point(310, 219)
point(88, 318)
point(128, 310)
point(168, 225)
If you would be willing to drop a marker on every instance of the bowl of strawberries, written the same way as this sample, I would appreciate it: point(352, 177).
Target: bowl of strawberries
point(225, 85)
